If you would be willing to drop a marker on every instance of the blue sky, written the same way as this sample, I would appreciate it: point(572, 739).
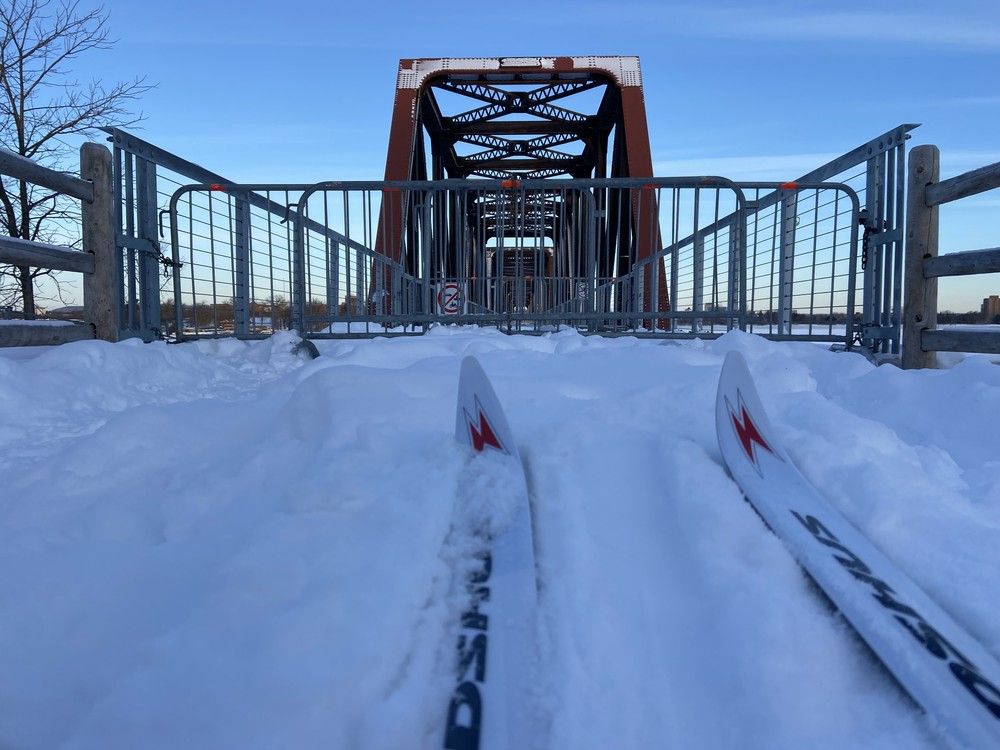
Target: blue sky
point(265, 91)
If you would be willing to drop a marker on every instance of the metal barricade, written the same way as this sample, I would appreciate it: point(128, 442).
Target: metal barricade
point(669, 254)
point(233, 254)
point(418, 253)
point(802, 260)
point(673, 258)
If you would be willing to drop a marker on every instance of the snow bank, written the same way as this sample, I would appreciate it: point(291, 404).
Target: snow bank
point(224, 545)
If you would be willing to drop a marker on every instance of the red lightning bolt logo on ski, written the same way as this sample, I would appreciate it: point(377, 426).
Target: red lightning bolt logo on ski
point(483, 434)
point(747, 431)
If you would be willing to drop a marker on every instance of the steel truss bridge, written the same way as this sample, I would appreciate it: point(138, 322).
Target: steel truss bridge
point(526, 118)
point(519, 193)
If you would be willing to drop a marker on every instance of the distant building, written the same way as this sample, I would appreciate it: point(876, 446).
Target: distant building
point(991, 307)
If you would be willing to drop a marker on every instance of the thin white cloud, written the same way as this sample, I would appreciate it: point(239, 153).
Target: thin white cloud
point(971, 101)
point(862, 25)
point(765, 167)
point(956, 162)
point(791, 166)
point(971, 28)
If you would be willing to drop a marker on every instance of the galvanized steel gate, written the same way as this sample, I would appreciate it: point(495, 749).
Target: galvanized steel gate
point(663, 257)
point(602, 257)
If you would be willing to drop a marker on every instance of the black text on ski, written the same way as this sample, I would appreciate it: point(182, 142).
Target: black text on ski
point(964, 670)
point(465, 710)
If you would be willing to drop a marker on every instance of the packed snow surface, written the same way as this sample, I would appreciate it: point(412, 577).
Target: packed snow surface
point(223, 545)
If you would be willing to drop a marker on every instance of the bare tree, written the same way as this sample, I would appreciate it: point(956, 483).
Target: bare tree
point(42, 107)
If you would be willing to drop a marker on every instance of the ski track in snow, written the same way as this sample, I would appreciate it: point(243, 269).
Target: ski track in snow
point(221, 545)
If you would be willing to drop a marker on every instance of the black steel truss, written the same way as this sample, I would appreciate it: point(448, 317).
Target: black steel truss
point(520, 129)
point(517, 148)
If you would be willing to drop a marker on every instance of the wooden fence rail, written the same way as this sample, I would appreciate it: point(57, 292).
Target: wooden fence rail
point(925, 193)
point(97, 261)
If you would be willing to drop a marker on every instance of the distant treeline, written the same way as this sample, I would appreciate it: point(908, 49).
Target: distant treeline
point(972, 317)
point(274, 315)
point(945, 317)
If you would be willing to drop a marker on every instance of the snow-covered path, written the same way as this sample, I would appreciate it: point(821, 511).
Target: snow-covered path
point(221, 545)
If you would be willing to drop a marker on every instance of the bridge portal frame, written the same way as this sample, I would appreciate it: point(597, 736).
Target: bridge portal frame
point(622, 111)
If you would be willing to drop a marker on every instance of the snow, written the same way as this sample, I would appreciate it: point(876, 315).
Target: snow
point(222, 544)
point(36, 323)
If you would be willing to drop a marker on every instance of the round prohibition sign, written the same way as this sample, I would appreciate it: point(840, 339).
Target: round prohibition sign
point(450, 298)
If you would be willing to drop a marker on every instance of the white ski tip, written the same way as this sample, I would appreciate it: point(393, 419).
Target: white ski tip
point(743, 429)
point(479, 419)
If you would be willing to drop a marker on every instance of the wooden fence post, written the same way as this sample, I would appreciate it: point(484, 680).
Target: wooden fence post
point(920, 293)
point(100, 288)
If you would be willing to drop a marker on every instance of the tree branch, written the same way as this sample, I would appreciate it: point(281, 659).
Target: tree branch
point(41, 106)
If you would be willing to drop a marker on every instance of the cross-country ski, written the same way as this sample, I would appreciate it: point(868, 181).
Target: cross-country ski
point(935, 660)
point(494, 659)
